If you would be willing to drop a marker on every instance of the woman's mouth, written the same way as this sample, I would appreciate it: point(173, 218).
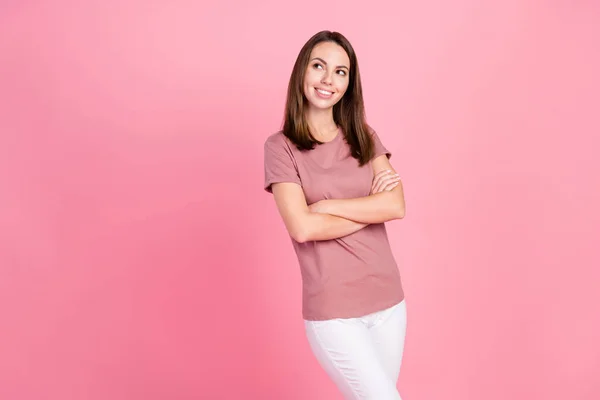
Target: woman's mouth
point(324, 94)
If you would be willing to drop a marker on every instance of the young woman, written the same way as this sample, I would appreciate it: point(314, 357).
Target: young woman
point(335, 188)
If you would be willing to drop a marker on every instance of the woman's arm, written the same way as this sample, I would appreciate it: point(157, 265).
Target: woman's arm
point(304, 225)
point(376, 208)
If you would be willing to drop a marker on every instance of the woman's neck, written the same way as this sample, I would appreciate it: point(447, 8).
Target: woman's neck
point(321, 124)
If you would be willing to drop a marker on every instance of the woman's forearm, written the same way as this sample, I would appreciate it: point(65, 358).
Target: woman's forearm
point(373, 209)
point(318, 226)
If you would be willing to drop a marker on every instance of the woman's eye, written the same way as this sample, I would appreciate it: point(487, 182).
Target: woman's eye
point(317, 65)
point(342, 72)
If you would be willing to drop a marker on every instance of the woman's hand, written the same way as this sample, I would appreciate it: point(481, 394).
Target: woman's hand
point(385, 180)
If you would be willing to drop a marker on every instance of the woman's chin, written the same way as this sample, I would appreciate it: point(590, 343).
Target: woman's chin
point(321, 105)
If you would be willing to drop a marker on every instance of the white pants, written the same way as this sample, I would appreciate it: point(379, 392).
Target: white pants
point(362, 355)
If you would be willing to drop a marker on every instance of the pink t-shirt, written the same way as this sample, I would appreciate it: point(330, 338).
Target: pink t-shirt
point(347, 277)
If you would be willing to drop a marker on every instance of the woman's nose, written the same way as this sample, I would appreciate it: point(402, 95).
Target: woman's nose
point(326, 79)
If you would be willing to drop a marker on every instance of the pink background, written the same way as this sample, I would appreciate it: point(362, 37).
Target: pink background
point(140, 258)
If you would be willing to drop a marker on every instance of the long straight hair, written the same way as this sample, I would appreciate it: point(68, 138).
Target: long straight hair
point(348, 112)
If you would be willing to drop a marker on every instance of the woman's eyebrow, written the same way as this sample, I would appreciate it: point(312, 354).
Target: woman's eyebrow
point(325, 62)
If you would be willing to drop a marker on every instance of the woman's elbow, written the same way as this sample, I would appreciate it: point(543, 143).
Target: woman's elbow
point(400, 211)
point(399, 208)
point(300, 233)
point(397, 205)
point(299, 237)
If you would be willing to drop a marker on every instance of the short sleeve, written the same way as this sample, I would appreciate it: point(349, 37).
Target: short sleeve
point(279, 162)
point(379, 148)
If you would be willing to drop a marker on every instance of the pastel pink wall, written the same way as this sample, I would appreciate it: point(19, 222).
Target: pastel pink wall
point(140, 258)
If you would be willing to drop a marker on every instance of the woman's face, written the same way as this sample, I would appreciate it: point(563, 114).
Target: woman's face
point(327, 74)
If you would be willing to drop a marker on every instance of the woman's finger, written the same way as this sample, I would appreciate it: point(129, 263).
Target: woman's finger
point(377, 178)
point(389, 188)
point(385, 181)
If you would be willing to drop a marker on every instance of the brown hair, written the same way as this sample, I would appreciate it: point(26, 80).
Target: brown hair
point(348, 112)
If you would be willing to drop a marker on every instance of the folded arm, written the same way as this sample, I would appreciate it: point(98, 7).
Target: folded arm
point(376, 208)
point(304, 225)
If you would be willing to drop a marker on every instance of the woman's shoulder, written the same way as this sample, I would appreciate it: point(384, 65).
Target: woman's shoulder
point(278, 140)
point(275, 137)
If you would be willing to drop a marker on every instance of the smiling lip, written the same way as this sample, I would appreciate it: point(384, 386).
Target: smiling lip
point(324, 94)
